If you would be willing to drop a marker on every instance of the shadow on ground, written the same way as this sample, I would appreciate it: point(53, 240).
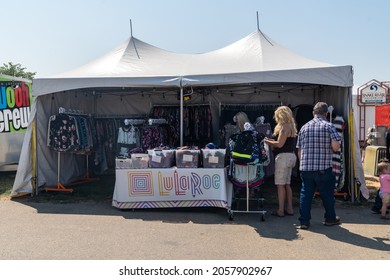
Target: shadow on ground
point(95, 199)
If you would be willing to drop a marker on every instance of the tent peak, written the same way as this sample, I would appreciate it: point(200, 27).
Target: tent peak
point(131, 29)
point(258, 28)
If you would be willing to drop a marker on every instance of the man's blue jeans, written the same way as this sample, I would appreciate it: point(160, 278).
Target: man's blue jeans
point(322, 181)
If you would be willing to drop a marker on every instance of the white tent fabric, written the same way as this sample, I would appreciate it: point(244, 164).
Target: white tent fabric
point(253, 60)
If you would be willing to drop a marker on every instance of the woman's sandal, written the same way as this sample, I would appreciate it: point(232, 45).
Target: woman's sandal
point(385, 217)
point(288, 214)
point(276, 214)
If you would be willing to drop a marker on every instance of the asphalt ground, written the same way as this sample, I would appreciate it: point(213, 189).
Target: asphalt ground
point(97, 231)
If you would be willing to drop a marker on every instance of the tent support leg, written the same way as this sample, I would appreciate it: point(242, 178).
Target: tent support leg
point(87, 177)
point(60, 187)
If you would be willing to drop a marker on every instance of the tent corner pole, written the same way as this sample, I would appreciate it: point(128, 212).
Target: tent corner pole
point(181, 114)
point(34, 190)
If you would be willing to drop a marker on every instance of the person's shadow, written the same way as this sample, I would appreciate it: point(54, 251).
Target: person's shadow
point(287, 228)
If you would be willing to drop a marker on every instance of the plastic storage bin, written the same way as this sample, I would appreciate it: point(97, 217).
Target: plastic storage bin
point(161, 158)
point(123, 163)
point(140, 161)
point(187, 158)
point(213, 158)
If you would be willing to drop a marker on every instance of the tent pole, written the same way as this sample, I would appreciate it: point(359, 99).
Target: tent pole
point(181, 115)
point(34, 158)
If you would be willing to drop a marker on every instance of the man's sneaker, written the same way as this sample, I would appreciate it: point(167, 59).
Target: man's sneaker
point(332, 223)
point(305, 227)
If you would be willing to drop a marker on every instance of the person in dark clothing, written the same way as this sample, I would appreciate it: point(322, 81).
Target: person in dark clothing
point(283, 144)
point(317, 140)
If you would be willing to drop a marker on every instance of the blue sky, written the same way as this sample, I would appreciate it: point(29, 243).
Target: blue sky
point(49, 37)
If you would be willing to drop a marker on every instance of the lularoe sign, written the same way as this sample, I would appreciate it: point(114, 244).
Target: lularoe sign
point(15, 105)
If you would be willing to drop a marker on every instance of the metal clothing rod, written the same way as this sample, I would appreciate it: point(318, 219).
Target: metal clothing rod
point(120, 116)
point(236, 106)
point(187, 105)
point(64, 111)
point(253, 104)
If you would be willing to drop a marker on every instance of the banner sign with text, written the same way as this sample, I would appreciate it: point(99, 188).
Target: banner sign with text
point(171, 187)
point(373, 94)
point(15, 105)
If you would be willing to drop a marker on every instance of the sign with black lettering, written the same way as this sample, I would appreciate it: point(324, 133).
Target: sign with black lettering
point(373, 93)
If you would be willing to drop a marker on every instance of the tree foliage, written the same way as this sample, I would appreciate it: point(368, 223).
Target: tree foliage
point(16, 70)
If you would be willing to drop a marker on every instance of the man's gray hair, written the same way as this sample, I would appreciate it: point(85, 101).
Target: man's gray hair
point(320, 108)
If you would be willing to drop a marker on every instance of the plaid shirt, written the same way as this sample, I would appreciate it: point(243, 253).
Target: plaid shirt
point(314, 140)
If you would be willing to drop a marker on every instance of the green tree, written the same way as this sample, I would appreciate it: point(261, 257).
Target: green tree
point(16, 70)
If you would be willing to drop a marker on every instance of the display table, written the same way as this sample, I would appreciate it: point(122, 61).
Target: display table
point(172, 187)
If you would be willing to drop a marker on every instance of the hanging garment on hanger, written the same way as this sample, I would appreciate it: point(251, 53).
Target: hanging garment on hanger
point(338, 165)
point(303, 113)
point(266, 130)
point(63, 135)
point(129, 135)
point(227, 132)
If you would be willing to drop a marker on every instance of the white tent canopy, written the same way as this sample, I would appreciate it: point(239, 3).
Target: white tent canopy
point(255, 61)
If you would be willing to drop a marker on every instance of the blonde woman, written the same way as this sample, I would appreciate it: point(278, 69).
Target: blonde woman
point(242, 121)
point(283, 144)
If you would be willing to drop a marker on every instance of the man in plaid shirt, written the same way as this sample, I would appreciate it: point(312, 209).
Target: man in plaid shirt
point(317, 140)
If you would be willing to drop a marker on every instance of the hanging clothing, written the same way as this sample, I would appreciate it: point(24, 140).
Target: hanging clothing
point(302, 114)
point(266, 130)
point(63, 135)
point(338, 157)
point(197, 123)
point(129, 135)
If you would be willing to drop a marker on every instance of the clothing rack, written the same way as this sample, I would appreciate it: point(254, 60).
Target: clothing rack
point(259, 200)
point(184, 106)
point(227, 111)
point(233, 106)
point(62, 110)
point(61, 187)
point(134, 121)
point(178, 105)
point(193, 128)
point(137, 116)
